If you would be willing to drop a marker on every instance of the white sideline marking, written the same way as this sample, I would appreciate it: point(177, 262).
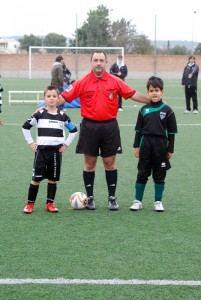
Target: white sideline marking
point(123, 125)
point(12, 281)
point(198, 124)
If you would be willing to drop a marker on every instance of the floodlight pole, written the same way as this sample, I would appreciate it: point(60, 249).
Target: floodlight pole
point(29, 62)
point(192, 43)
point(76, 52)
point(155, 49)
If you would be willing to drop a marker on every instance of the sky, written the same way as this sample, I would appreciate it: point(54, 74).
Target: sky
point(157, 19)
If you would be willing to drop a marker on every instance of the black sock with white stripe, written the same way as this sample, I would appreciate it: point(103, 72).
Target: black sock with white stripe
point(32, 194)
point(111, 179)
point(51, 192)
point(89, 182)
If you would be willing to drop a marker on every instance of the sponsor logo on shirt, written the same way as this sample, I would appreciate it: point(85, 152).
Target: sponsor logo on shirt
point(53, 121)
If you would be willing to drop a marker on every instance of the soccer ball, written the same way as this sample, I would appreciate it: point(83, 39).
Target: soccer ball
point(78, 200)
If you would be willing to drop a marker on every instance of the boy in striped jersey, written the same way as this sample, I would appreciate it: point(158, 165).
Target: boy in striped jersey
point(48, 148)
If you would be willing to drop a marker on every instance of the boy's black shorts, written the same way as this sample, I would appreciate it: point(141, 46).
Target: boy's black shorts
point(99, 138)
point(153, 154)
point(47, 164)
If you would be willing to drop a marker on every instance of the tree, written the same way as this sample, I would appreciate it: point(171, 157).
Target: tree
point(95, 30)
point(98, 31)
point(30, 40)
point(142, 45)
point(198, 49)
point(54, 40)
point(122, 34)
point(179, 50)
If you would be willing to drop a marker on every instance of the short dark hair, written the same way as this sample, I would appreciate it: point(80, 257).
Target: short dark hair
point(59, 58)
point(99, 51)
point(155, 82)
point(51, 88)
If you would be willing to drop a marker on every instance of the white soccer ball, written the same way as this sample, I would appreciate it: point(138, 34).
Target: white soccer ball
point(78, 200)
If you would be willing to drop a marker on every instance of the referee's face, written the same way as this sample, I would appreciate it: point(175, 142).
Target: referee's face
point(98, 63)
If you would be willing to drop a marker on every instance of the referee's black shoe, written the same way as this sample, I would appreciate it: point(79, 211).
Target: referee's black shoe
point(112, 203)
point(90, 203)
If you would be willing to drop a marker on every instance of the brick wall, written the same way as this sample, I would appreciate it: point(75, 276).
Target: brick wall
point(139, 66)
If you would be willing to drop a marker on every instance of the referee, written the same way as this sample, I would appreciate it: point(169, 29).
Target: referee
point(99, 131)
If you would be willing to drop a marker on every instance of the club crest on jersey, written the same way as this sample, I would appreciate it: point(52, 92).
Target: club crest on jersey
point(69, 88)
point(111, 96)
point(162, 115)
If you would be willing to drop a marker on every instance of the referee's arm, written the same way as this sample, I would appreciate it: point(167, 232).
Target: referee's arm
point(139, 97)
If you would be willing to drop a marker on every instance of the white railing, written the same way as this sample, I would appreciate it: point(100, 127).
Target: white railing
point(37, 100)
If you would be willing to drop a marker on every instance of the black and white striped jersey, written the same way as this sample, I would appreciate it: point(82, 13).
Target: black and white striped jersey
point(50, 127)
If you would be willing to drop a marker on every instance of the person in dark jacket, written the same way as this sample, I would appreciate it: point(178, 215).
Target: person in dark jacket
point(66, 74)
point(189, 80)
point(120, 70)
point(1, 90)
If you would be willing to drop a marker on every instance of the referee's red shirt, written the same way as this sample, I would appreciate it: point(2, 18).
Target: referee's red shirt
point(98, 96)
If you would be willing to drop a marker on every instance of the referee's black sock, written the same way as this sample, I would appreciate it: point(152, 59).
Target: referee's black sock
point(89, 178)
point(111, 179)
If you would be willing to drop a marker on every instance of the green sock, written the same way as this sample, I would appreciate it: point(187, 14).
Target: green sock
point(159, 188)
point(139, 191)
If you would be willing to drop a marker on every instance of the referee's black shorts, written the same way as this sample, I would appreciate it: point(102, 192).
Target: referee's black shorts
point(99, 138)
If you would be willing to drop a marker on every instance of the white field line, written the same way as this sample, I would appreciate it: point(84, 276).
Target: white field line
point(121, 125)
point(129, 125)
point(59, 281)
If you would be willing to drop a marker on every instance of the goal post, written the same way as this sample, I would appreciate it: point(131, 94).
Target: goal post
point(73, 50)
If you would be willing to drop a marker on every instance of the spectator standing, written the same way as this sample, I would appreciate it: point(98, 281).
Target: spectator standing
point(48, 148)
point(99, 130)
point(1, 90)
point(153, 143)
point(57, 73)
point(120, 70)
point(189, 80)
point(66, 74)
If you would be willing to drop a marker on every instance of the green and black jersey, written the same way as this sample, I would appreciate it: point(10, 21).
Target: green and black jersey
point(156, 119)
